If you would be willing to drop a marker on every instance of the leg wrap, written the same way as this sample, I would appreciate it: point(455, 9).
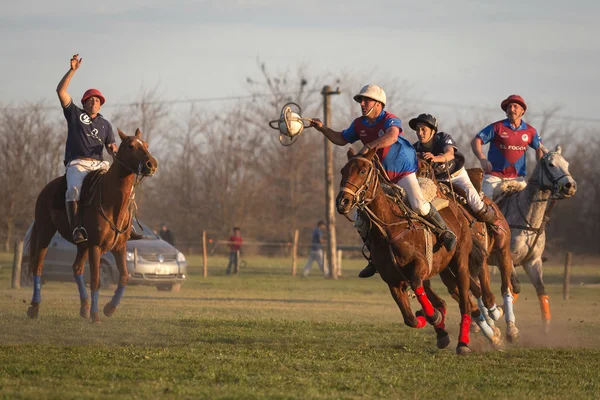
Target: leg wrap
point(37, 289)
point(424, 301)
point(81, 286)
point(465, 325)
point(118, 295)
point(545, 307)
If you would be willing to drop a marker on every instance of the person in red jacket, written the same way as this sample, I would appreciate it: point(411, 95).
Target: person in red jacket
point(234, 251)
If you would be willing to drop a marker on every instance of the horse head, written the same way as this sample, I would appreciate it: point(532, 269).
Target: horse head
point(424, 168)
point(554, 174)
point(134, 156)
point(359, 180)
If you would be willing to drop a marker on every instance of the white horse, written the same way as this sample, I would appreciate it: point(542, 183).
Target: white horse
point(527, 212)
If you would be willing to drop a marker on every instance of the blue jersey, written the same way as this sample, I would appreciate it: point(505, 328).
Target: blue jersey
point(85, 137)
point(317, 237)
point(399, 159)
point(508, 147)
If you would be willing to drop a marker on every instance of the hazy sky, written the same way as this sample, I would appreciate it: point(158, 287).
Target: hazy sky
point(468, 52)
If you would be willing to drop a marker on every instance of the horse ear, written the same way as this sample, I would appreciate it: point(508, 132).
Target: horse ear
point(121, 134)
point(350, 153)
point(138, 133)
point(370, 153)
point(558, 149)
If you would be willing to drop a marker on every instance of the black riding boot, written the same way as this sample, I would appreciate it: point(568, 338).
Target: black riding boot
point(447, 236)
point(370, 269)
point(79, 233)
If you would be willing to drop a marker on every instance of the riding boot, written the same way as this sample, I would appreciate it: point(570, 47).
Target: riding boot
point(370, 269)
point(79, 233)
point(447, 236)
point(488, 215)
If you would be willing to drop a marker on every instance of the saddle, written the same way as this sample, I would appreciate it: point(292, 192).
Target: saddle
point(428, 188)
point(89, 190)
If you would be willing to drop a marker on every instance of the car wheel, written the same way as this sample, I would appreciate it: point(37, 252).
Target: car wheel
point(169, 287)
point(105, 276)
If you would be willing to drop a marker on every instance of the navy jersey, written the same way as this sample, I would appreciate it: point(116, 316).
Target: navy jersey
point(85, 137)
point(441, 140)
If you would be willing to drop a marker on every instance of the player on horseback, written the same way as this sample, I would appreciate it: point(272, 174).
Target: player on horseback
point(88, 133)
point(448, 163)
point(381, 130)
point(508, 141)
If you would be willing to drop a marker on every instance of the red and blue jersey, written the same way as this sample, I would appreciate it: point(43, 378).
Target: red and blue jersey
point(399, 159)
point(508, 147)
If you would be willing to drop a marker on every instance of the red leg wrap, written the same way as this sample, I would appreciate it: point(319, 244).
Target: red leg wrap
point(424, 301)
point(421, 322)
point(465, 325)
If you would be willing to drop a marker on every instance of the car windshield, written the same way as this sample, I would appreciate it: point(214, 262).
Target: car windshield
point(145, 230)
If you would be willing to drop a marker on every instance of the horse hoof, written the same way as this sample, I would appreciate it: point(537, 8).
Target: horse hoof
point(436, 318)
point(109, 309)
point(33, 311)
point(463, 349)
point(474, 327)
point(84, 309)
point(443, 341)
point(512, 333)
point(94, 318)
point(498, 343)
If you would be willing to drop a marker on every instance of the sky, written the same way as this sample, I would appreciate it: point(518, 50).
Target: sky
point(457, 51)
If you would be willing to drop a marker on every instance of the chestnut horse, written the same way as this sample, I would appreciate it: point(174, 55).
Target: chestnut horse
point(399, 248)
point(106, 216)
point(497, 245)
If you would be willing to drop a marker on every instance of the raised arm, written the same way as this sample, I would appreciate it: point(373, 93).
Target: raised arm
point(333, 136)
point(61, 89)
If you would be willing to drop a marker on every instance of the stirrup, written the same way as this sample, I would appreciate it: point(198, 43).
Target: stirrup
point(79, 235)
point(368, 271)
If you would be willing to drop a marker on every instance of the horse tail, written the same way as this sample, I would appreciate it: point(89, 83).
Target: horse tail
point(30, 245)
point(477, 257)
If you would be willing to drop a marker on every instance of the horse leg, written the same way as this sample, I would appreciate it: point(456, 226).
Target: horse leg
point(38, 246)
point(463, 276)
point(535, 273)
point(443, 338)
point(78, 267)
point(401, 297)
point(121, 259)
point(487, 296)
point(94, 254)
point(433, 316)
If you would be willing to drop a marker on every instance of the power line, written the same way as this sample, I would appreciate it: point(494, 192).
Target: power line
point(263, 95)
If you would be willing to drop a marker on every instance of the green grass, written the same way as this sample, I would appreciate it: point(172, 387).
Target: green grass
point(266, 334)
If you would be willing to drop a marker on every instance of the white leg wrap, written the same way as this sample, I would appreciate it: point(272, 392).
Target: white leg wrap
point(509, 313)
point(484, 313)
point(494, 312)
point(487, 330)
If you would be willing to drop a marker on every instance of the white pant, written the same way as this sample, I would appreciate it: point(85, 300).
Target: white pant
point(462, 181)
point(491, 182)
point(76, 173)
point(315, 255)
point(410, 184)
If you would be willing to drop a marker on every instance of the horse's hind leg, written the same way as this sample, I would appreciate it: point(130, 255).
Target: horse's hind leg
point(121, 259)
point(94, 254)
point(487, 297)
point(38, 246)
point(535, 273)
point(443, 338)
point(78, 267)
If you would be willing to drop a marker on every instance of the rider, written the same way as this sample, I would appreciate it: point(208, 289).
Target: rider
point(448, 163)
point(88, 133)
point(382, 131)
point(508, 140)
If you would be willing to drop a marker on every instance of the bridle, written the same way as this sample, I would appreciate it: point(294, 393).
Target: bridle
point(546, 175)
point(359, 193)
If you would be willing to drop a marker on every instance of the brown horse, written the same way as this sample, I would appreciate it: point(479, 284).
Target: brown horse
point(399, 243)
point(106, 214)
point(498, 249)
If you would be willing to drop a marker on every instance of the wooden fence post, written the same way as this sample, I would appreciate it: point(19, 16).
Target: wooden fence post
point(17, 258)
point(339, 262)
point(204, 256)
point(135, 258)
point(567, 276)
point(295, 252)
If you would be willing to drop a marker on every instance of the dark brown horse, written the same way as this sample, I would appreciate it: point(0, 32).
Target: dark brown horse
point(399, 244)
point(106, 214)
point(498, 249)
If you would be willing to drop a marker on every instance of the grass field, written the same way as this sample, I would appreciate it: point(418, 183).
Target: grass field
point(266, 334)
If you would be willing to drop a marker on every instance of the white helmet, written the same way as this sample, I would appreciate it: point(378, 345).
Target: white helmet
point(372, 92)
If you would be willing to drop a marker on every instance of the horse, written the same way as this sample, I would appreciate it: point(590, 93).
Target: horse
point(106, 213)
point(497, 245)
point(527, 212)
point(406, 253)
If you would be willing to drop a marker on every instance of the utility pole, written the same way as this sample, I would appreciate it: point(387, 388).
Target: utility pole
point(329, 193)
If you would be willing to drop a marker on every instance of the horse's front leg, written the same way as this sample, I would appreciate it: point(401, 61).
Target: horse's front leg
point(419, 274)
point(78, 268)
point(443, 338)
point(94, 254)
point(400, 295)
point(461, 260)
point(487, 298)
point(121, 259)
